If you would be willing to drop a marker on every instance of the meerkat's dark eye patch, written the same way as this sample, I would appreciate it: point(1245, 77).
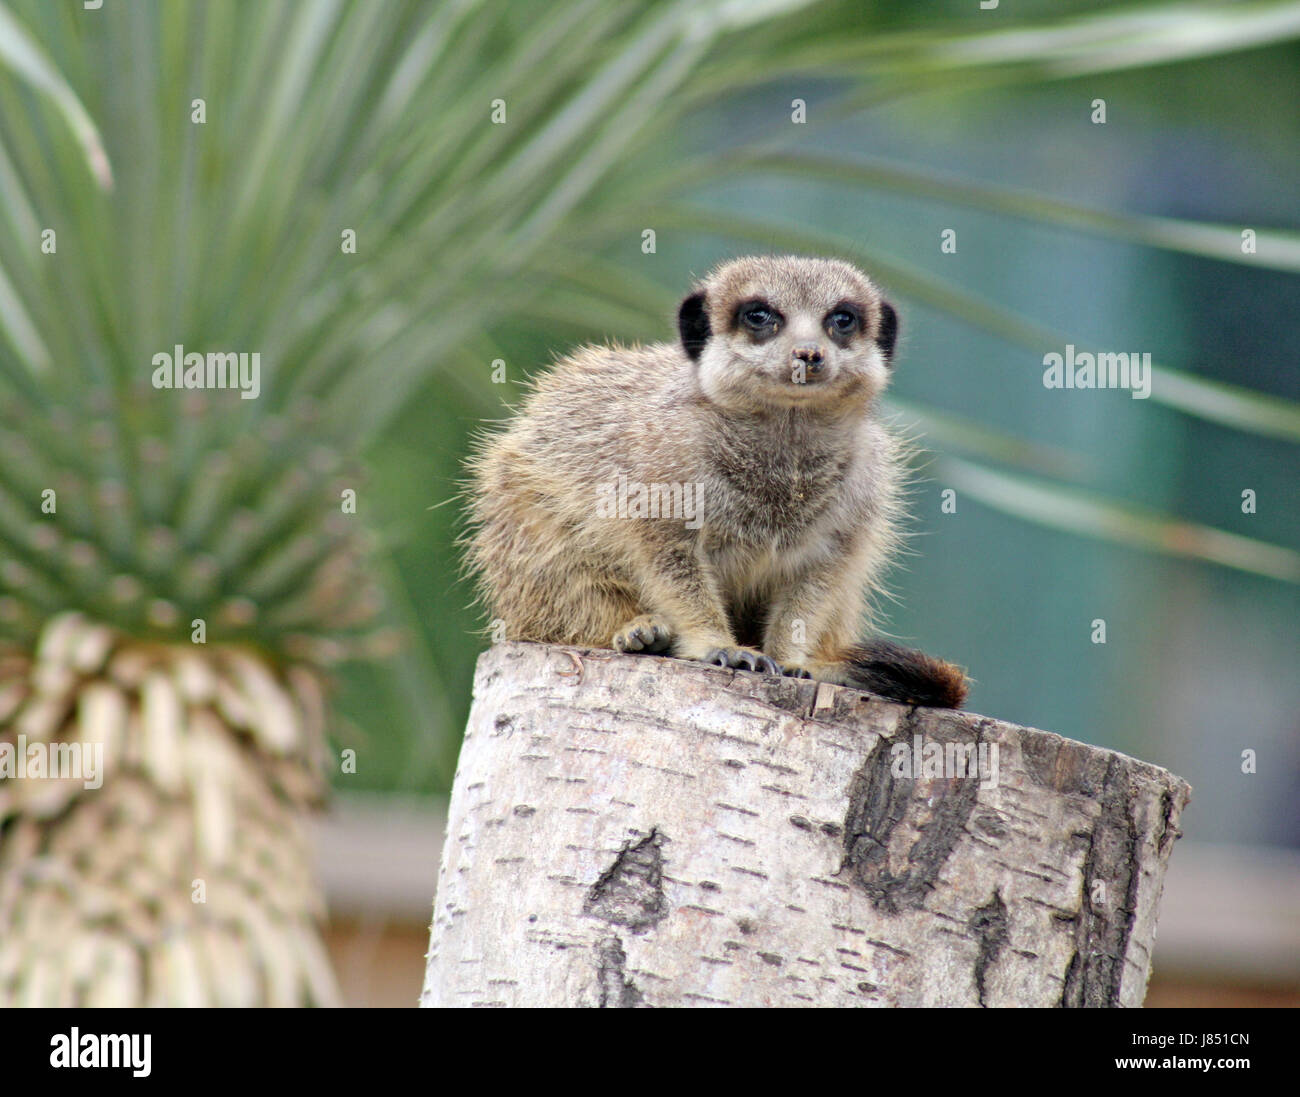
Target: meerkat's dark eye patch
point(758, 318)
point(843, 321)
point(887, 335)
point(693, 325)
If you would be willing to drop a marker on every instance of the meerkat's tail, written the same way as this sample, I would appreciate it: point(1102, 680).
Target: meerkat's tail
point(904, 674)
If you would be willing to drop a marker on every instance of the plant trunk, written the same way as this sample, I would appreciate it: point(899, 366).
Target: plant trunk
point(173, 868)
point(641, 831)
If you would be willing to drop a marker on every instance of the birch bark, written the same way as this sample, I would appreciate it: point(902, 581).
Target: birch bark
point(632, 831)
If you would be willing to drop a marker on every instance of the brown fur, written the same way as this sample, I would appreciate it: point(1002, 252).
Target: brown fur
point(800, 480)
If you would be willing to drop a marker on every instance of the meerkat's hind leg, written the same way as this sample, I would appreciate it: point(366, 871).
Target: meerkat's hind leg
point(743, 659)
point(647, 634)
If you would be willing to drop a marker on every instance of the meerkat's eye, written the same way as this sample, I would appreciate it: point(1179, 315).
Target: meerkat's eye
point(760, 318)
point(842, 322)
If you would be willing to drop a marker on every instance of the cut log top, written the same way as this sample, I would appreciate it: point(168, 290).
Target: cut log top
point(634, 830)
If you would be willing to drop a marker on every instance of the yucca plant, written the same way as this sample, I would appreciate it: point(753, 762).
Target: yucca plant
point(356, 192)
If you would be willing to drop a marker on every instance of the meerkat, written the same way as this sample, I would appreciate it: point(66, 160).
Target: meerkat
point(763, 423)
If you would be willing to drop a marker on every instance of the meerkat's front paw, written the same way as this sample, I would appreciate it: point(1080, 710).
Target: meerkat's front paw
point(742, 659)
point(648, 634)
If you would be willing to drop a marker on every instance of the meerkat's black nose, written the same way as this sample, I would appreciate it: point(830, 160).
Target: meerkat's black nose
point(810, 354)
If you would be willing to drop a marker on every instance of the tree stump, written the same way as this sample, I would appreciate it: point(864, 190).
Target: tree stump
point(641, 831)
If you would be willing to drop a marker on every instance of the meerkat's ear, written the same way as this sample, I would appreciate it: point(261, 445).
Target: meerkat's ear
point(888, 334)
point(693, 324)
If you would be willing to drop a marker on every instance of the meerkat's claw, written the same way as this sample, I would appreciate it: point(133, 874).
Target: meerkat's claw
point(742, 659)
point(796, 672)
point(646, 634)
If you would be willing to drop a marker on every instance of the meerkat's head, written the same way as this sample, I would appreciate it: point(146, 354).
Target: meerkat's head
point(786, 331)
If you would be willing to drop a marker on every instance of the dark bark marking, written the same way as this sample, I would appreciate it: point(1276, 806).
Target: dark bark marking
point(1101, 934)
point(739, 810)
point(617, 991)
point(631, 891)
point(783, 792)
point(879, 803)
point(1168, 833)
point(750, 872)
point(989, 823)
point(989, 924)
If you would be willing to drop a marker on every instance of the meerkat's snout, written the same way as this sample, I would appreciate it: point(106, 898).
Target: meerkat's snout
point(811, 357)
